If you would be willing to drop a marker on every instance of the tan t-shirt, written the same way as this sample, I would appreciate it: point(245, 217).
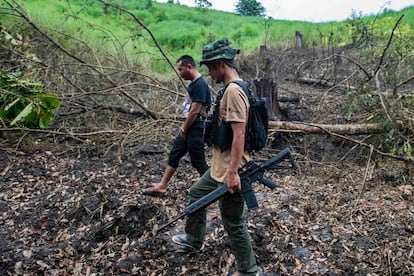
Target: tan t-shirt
point(234, 107)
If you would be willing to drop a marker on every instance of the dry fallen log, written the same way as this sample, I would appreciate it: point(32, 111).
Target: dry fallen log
point(311, 81)
point(323, 83)
point(350, 129)
point(338, 131)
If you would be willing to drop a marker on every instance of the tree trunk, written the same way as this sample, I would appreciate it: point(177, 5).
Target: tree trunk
point(323, 83)
point(299, 40)
point(351, 129)
point(262, 49)
point(267, 88)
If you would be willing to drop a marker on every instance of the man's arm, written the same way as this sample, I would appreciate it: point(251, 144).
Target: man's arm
point(191, 117)
point(232, 178)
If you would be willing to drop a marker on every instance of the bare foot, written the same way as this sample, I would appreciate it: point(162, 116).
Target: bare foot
point(155, 190)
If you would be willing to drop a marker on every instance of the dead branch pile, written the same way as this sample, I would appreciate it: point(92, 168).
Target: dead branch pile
point(103, 97)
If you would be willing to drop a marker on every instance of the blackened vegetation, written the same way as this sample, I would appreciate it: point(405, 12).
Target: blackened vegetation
point(68, 213)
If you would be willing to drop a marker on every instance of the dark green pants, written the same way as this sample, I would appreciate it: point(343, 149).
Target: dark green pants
point(232, 214)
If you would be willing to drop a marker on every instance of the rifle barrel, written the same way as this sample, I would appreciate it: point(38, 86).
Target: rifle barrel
point(199, 204)
point(170, 222)
point(276, 158)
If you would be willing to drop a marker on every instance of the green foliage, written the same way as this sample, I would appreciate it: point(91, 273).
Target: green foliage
point(366, 32)
point(249, 31)
point(237, 36)
point(250, 8)
point(180, 28)
point(407, 149)
point(182, 39)
point(161, 16)
point(360, 100)
point(410, 99)
point(25, 103)
point(398, 135)
point(202, 4)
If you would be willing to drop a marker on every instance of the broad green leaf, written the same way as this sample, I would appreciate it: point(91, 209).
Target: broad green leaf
point(407, 149)
point(45, 120)
point(25, 112)
point(11, 104)
point(51, 102)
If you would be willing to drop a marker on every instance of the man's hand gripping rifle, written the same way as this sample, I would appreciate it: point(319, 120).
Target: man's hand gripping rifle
point(252, 173)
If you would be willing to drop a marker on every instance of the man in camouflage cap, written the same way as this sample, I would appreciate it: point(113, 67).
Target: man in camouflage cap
point(234, 109)
point(219, 49)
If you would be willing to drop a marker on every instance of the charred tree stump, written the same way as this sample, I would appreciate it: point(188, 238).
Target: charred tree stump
point(299, 40)
point(262, 49)
point(267, 88)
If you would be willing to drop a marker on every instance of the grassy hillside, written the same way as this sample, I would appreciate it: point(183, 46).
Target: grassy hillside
point(181, 29)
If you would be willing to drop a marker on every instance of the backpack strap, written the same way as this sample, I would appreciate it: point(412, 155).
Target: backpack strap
point(222, 90)
point(245, 86)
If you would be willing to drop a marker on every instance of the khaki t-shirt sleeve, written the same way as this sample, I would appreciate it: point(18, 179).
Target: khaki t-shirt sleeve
point(235, 104)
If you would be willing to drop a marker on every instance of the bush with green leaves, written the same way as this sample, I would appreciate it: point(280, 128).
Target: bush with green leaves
point(202, 4)
point(250, 8)
point(25, 103)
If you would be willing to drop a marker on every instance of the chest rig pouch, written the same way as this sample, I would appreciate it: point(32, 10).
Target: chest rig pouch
point(218, 133)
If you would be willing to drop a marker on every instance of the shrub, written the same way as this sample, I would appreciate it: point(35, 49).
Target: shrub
point(25, 102)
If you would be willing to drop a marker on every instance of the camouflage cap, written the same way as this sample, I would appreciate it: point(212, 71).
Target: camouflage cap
point(219, 49)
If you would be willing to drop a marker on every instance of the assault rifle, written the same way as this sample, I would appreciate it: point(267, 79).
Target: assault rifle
point(252, 172)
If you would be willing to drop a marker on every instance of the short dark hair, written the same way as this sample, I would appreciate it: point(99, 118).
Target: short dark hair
point(186, 59)
point(215, 63)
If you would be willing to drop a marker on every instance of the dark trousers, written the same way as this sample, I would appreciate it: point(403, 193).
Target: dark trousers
point(194, 145)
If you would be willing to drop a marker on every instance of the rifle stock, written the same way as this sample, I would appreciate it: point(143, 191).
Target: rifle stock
point(252, 173)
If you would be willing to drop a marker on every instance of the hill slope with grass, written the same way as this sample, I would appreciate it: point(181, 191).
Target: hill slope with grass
point(180, 29)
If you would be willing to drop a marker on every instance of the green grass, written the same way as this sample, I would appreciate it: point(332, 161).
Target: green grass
point(181, 29)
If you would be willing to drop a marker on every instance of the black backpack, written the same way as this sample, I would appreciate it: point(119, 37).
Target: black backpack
point(256, 128)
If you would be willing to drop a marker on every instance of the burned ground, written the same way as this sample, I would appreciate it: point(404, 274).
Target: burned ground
point(64, 212)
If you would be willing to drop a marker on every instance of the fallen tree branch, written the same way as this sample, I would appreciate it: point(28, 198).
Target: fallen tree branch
point(323, 83)
point(351, 129)
point(388, 45)
point(371, 149)
point(73, 135)
point(339, 86)
point(136, 19)
point(98, 69)
point(368, 75)
point(337, 130)
point(311, 81)
point(107, 90)
point(377, 83)
point(20, 11)
point(401, 84)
